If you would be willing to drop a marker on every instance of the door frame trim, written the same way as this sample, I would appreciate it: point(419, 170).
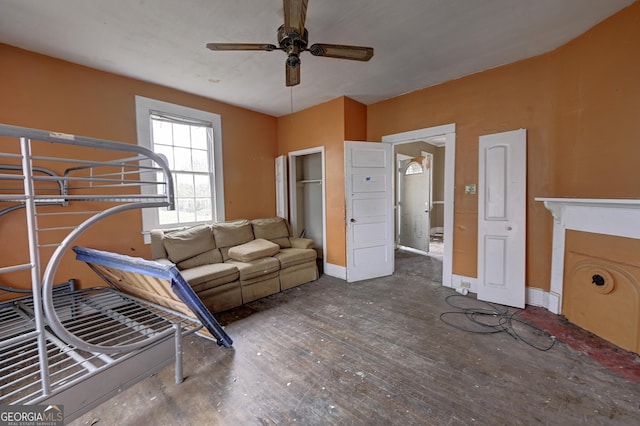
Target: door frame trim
point(448, 131)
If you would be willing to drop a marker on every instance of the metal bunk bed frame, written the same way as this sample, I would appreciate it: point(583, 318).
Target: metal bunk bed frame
point(79, 347)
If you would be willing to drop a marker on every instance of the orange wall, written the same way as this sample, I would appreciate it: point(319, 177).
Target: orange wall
point(50, 94)
point(580, 105)
point(328, 125)
point(355, 120)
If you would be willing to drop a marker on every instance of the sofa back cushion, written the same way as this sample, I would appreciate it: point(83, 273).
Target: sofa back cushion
point(207, 258)
point(274, 229)
point(230, 234)
point(186, 243)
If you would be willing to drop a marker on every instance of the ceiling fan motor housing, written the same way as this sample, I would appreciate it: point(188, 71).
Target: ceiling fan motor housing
point(292, 42)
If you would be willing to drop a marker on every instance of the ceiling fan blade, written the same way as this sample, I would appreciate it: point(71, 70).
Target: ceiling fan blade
point(295, 13)
point(293, 74)
point(240, 46)
point(340, 51)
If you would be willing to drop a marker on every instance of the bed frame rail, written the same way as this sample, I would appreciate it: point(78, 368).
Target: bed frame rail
point(56, 345)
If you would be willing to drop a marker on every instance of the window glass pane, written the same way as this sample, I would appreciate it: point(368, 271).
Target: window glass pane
point(413, 168)
point(202, 186)
point(167, 151)
point(181, 135)
point(203, 209)
point(186, 209)
point(182, 159)
point(184, 187)
point(199, 137)
point(200, 160)
point(166, 217)
point(162, 132)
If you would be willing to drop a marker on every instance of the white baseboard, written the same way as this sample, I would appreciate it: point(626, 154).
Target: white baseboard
point(534, 296)
point(537, 297)
point(545, 299)
point(460, 281)
point(336, 271)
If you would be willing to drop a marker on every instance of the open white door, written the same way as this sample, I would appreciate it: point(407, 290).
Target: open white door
point(502, 218)
point(369, 205)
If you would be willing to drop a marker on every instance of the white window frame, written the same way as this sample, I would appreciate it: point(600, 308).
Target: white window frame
point(144, 108)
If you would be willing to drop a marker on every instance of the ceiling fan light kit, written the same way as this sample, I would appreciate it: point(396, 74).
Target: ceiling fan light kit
point(293, 39)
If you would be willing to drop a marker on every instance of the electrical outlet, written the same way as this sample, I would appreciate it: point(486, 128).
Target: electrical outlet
point(470, 188)
point(465, 284)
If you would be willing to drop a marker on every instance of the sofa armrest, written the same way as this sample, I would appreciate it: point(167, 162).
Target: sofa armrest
point(157, 248)
point(302, 243)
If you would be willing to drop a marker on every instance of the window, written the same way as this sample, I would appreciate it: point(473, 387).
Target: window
point(191, 141)
point(413, 168)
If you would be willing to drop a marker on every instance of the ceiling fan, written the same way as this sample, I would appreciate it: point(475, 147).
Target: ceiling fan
point(293, 38)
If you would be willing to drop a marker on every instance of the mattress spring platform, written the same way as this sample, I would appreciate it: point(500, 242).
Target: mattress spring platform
point(101, 316)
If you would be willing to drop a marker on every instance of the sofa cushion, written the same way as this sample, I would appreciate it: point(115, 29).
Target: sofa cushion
point(208, 276)
point(298, 274)
point(229, 234)
point(253, 250)
point(255, 268)
point(210, 256)
point(186, 243)
point(293, 256)
point(272, 228)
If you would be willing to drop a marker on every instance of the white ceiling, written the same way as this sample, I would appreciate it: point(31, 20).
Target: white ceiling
point(418, 43)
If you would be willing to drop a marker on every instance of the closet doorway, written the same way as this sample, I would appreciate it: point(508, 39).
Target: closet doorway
point(307, 197)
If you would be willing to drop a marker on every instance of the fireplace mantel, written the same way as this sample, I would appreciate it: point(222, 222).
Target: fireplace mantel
point(610, 216)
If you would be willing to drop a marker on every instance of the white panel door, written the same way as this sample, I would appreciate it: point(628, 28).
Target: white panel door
point(369, 205)
point(282, 206)
point(414, 195)
point(502, 218)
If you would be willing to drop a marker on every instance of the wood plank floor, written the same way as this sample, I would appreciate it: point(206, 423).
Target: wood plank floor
point(372, 353)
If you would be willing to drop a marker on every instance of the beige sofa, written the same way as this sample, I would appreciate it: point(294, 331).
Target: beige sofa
point(231, 263)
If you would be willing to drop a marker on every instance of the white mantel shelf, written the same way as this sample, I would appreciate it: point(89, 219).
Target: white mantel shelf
point(610, 216)
point(622, 202)
point(627, 203)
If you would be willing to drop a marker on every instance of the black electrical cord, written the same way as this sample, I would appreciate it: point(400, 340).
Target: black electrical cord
point(489, 318)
